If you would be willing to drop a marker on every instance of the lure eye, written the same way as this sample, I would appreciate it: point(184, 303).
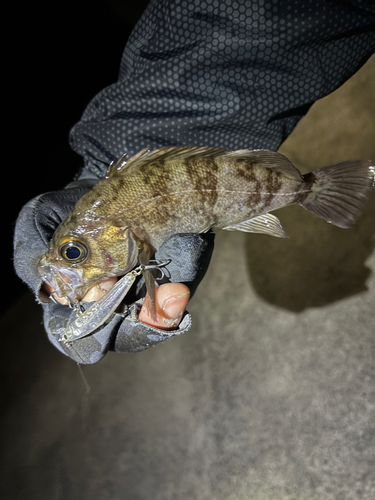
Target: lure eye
point(73, 251)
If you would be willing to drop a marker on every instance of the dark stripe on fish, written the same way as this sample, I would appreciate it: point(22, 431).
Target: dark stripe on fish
point(203, 180)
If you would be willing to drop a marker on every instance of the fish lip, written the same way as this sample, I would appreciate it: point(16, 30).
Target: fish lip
point(65, 283)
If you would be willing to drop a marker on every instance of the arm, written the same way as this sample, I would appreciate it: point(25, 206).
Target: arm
point(201, 74)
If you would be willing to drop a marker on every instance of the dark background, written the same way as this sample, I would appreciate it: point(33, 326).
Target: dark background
point(56, 57)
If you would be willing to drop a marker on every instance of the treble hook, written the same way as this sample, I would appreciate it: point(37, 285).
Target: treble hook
point(158, 265)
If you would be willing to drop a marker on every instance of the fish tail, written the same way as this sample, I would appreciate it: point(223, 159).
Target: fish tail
point(339, 192)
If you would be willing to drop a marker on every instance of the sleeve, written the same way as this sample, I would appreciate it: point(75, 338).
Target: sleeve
point(234, 74)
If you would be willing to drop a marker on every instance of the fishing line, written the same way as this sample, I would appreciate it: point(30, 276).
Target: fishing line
point(85, 407)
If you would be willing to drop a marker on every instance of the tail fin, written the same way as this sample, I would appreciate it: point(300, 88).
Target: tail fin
point(339, 192)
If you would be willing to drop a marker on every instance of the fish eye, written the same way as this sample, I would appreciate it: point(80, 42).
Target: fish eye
point(73, 251)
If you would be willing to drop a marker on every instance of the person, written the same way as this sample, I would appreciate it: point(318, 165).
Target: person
point(235, 74)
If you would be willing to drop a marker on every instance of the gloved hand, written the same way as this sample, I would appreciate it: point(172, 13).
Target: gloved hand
point(190, 255)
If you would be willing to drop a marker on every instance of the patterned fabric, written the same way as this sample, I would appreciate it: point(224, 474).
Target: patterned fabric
point(235, 74)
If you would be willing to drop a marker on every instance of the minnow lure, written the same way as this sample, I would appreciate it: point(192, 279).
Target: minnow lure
point(90, 320)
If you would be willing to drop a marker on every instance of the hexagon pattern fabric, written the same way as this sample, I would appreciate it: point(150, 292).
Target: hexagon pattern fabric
point(228, 73)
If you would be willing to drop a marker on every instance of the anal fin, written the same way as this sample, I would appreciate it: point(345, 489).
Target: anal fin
point(265, 224)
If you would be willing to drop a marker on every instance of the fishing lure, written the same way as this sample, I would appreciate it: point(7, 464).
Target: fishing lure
point(88, 321)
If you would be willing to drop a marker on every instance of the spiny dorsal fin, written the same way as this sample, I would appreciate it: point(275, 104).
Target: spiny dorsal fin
point(179, 152)
point(144, 152)
point(166, 153)
point(260, 157)
point(268, 159)
point(119, 166)
point(116, 166)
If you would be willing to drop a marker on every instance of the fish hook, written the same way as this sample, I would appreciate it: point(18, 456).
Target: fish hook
point(158, 265)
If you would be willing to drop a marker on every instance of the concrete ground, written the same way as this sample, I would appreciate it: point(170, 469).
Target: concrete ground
point(270, 396)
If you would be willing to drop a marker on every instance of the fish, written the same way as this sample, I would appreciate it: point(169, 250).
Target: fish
point(142, 201)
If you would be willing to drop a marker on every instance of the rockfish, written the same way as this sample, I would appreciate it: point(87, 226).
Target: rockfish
point(141, 202)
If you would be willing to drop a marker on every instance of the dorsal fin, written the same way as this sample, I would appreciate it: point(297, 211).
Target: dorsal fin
point(119, 166)
point(123, 167)
point(144, 152)
point(174, 152)
point(260, 157)
point(116, 166)
point(268, 159)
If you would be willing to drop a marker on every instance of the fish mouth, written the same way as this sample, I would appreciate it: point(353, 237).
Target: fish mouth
point(66, 283)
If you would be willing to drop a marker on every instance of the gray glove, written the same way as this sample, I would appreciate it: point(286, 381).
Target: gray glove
point(190, 255)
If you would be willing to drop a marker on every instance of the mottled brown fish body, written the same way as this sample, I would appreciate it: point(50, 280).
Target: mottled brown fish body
point(192, 194)
point(142, 202)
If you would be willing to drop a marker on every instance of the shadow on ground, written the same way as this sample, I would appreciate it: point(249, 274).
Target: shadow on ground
point(319, 263)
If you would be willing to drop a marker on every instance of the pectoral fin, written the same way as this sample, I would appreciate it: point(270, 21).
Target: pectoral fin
point(266, 224)
point(150, 283)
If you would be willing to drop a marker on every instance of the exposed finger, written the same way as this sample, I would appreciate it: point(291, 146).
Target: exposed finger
point(171, 301)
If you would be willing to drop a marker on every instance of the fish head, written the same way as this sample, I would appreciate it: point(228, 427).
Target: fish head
point(78, 259)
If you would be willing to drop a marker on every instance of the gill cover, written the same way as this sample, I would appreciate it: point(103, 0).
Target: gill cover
point(119, 248)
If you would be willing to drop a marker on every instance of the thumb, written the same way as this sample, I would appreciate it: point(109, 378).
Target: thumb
point(171, 301)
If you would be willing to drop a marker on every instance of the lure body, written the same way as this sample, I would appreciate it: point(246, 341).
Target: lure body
point(98, 313)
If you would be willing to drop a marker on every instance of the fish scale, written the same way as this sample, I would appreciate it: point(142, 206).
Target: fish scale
point(143, 201)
